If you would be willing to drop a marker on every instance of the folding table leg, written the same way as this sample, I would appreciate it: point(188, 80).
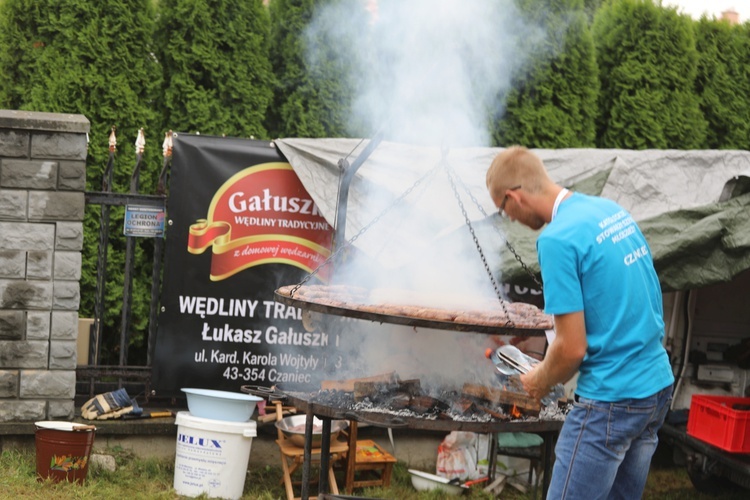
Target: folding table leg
point(287, 478)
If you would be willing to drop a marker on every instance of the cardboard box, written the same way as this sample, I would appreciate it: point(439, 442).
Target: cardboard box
point(84, 329)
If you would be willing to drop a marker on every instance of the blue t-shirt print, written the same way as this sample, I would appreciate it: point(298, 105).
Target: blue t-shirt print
point(595, 259)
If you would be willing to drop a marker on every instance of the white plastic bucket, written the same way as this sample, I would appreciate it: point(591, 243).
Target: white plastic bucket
point(211, 456)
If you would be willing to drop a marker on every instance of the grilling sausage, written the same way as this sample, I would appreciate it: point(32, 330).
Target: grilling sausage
point(482, 311)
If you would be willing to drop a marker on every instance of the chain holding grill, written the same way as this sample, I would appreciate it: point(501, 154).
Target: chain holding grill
point(507, 242)
point(509, 322)
point(454, 181)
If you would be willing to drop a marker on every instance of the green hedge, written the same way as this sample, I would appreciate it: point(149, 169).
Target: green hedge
point(611, 74)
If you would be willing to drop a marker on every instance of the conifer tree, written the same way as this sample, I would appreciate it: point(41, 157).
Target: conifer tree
point(553, 101)
point(723, 82)
point(217, 75)
point(647, 64)
point(314, 87)
point(94, 59)
point(591, 6)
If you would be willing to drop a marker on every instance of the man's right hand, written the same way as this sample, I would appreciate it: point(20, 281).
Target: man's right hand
point(532, 384)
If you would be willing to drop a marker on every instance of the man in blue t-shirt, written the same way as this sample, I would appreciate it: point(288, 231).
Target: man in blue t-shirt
point(601, 286)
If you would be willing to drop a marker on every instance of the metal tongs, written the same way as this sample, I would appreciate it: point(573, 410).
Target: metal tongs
point(508, 360)
point(511, 361)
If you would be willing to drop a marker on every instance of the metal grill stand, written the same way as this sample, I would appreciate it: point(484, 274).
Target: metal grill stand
point(549, 430)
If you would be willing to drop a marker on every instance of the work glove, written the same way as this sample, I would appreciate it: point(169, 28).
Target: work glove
point(109, 405)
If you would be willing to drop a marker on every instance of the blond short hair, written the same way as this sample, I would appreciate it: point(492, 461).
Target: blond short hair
point(516, 166)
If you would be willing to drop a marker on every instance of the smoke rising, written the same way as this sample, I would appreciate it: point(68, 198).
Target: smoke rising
point(434, 74)
point(431, 72)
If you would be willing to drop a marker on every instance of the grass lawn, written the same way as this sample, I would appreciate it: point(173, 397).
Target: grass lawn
point(137, 478)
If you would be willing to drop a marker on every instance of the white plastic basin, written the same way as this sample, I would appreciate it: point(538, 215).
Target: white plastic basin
point(221, 405)
point(423, 481)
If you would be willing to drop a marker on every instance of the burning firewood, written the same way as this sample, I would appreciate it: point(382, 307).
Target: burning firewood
point(385, 390)
point(400, 401)
point(496, 414)
point(524, 403)
point(348, 385)
point(463, 406)
point(426, 404)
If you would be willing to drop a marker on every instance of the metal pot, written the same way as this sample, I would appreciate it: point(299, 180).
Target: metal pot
point(293, 428)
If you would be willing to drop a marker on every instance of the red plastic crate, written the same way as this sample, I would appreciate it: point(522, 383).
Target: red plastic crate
point(717, 421)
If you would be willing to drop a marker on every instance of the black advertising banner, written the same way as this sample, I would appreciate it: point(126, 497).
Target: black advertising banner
point(240, 224)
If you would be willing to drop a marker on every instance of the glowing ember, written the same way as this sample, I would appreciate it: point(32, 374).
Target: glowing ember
point(515, 413)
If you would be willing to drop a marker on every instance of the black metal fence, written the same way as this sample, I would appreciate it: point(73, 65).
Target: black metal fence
point(96, 377)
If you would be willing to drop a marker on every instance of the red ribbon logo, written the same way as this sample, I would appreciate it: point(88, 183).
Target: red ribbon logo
point(262, 215)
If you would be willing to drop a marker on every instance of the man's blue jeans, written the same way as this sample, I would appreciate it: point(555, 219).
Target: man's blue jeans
point(605, 449)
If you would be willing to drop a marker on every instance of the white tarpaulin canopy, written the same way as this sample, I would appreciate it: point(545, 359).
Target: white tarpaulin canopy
point(693, 206)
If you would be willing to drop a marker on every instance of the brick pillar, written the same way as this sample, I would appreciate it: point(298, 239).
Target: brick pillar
point(42, 184)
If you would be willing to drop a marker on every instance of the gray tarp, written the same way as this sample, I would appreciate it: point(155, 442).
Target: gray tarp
point(693, 206)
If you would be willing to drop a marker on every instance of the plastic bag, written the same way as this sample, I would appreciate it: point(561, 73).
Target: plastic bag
point(463, 455)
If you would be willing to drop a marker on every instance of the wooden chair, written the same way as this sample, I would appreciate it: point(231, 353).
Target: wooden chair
point(292, 457)
point(367, 463)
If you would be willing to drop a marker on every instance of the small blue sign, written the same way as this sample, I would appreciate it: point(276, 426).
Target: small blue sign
point(146, 222)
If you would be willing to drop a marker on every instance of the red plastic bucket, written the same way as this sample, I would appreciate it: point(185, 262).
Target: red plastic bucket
point(63, 450)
